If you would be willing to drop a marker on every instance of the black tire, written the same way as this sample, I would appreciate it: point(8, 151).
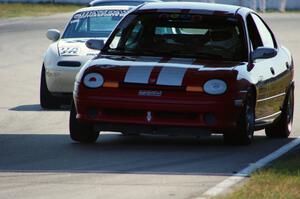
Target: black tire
point(47, 100)
point(243, 133)
point(81, 132)
point(282, 127)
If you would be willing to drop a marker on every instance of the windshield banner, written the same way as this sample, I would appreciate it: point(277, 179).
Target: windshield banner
point(100, 13)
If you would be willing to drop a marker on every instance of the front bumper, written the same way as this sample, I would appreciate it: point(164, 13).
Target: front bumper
point(61, 79)
point(208, 114)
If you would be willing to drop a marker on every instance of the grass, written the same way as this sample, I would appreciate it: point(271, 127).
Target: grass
point(279, 181)
point(9, 10)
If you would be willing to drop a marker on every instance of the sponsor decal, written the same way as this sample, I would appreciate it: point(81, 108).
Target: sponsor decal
point(150, 93)
point(69, 50)
point(91, 54)
point(182, 15)
point(100, 13)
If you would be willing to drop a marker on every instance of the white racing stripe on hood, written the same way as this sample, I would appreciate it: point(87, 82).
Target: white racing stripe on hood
point(173, 75)
point(138, 74)
point(141, 74)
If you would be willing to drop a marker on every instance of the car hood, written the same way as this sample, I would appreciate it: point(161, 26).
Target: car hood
point(147, 61)
point(77, 44)
point(159, 70)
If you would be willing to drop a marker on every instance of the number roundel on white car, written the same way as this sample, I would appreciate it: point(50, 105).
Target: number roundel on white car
point(93, 80)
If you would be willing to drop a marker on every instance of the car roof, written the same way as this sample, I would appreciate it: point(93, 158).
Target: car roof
point(200, 8)
point(119, 1)
point(104, 8)
point(100, 1)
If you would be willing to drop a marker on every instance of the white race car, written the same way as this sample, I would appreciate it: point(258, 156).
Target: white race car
point(68, 53)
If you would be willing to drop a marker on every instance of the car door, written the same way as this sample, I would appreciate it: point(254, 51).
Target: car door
point(265, 71)
point(279, 76)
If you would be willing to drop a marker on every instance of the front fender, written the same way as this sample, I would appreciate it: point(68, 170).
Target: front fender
point(51, 56)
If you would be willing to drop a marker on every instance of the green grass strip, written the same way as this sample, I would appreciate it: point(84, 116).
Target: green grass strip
point(279, 181)
point(9, 10)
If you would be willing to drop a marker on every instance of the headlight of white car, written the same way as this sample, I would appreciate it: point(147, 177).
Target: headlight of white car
point(68, 51)
point(93, 80)
point(215, 87)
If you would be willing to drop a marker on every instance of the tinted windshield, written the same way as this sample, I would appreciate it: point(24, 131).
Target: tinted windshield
point(98, 23)
point(179, 35)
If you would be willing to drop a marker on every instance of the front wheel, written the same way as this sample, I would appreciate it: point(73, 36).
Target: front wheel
point(243, 133)
point(47, 100)
point(81, 132)
point(282, 127)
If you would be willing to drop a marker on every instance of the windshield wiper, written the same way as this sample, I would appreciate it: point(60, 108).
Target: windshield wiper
point(110, 50)
point(179, 53)
point(121, 51)
point(148, 52)
point(182, 53)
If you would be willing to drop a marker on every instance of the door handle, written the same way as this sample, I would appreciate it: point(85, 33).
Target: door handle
point(272, 70)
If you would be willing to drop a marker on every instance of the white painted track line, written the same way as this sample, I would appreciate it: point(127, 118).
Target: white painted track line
point(242, 174)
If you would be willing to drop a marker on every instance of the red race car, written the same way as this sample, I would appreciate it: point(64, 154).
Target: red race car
point(186, 68)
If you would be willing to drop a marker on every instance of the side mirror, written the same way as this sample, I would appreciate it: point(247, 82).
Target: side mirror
point(94, 44)
point(53, 34)
point(264, 53)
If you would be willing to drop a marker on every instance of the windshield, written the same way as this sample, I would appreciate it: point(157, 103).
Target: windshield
point(179, 35)
point(97, 23)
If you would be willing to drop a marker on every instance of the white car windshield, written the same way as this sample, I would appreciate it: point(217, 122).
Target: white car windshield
point(96, 23)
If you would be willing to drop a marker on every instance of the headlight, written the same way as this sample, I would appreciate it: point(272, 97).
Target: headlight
point(68, 51)
point(93, 80)
point(215, 87)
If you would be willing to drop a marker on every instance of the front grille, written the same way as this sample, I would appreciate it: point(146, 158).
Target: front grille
point(156, 114)
point(124, 112)
point(69, 63)
point(176, 115)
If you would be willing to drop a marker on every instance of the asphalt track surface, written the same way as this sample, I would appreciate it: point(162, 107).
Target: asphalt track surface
point(38, 159)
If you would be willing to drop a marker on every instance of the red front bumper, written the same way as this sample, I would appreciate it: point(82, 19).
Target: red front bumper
point(210, 112)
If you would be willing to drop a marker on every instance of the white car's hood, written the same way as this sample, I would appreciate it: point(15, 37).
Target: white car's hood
point(76, 47)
